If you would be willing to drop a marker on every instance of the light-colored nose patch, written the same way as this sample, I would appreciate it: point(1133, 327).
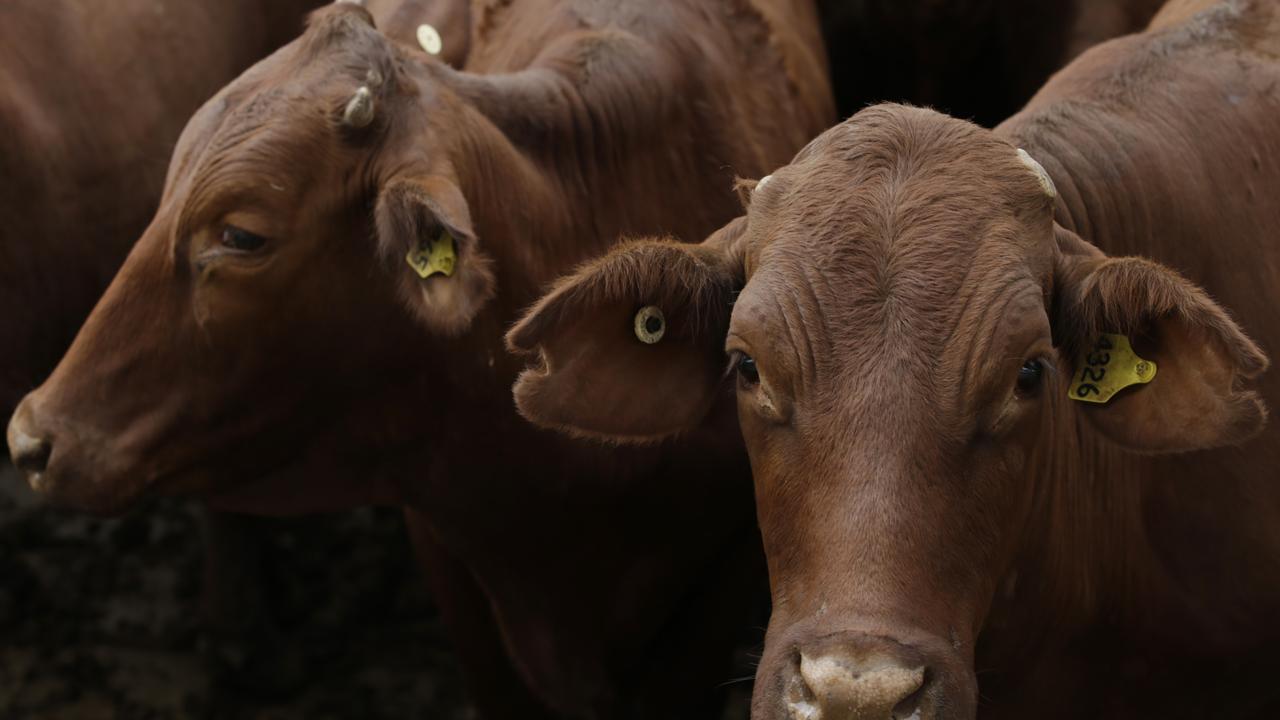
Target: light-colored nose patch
point(803, 710)
point(842, 691)
point(429, 39)
point(1046, 182)
point(763, 181)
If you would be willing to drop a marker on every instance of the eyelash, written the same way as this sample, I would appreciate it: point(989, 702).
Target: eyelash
point(747, 370)
point(240, 240)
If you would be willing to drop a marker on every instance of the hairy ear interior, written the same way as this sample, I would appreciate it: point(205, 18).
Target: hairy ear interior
point(1199, 397)
point(630, 347)
point(425, 239)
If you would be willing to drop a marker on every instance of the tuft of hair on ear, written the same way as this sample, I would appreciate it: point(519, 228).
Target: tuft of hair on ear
point(680, 277)
point(743, 187)
point(1127, 294)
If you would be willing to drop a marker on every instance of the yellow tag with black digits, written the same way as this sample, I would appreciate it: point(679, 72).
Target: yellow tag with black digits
point(1107, 368)
point(433, 256)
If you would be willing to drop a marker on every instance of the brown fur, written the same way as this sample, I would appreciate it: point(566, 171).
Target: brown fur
point(89, 93)
point(323, 372)
point(92, 98)
point(1077, 560)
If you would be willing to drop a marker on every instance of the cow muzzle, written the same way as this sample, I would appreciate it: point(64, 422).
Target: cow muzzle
point(840, 687)
point(859, 677)
point(66, 464)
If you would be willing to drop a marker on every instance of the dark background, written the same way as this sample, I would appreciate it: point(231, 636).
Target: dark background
point(100, 618)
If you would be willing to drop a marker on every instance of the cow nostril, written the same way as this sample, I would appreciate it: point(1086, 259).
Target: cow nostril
point(909, 707)
point(29, 453)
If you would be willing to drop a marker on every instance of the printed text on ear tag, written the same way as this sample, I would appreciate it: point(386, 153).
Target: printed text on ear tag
point(429, 257)
point(1107, 368)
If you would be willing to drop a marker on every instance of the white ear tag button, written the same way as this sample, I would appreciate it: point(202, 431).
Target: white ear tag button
point(429, 39)
point(650, 325)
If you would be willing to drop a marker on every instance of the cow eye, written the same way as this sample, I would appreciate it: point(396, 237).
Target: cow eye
point(1030, 375)
point(747, 369)
point(241, 240)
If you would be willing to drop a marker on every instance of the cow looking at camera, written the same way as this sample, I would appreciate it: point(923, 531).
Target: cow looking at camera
point(989, 442)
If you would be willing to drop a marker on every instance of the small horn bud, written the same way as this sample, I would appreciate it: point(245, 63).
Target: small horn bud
point(359, 111)
point(1046, 182)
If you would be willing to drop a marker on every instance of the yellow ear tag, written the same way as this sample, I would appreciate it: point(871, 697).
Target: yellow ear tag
point(429, 257)
point(1109, 367)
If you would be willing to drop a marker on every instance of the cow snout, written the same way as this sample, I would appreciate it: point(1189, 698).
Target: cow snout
point(29, 450)
point(72, 465)
point(855, 684)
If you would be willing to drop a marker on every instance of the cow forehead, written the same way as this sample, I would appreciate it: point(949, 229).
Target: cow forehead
point(339, 52)
point(882, 235)
point(282, 117)
point(901, 193)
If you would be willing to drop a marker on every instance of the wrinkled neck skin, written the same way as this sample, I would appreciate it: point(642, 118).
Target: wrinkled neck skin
point(506, 519)
point(1161, 562)
point(1131, 570)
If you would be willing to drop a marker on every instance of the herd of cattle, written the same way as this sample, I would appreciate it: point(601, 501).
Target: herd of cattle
point(999, 392)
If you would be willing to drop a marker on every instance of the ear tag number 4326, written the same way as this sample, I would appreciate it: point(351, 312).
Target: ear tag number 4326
point(1107, 368)
point(429, 257)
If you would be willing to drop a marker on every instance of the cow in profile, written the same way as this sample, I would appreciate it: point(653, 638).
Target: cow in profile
point(93, 93)
point(1002, 391)
point(314, 319)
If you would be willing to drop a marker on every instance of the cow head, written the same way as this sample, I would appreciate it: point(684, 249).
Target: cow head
point(313, 233)
point(900, 317)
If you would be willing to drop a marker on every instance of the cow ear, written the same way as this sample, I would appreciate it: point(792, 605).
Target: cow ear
point(1198, 397)
point(631, 346)
point(425, 239)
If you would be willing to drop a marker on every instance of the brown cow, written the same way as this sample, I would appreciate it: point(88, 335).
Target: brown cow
point(319, 306)
point(401, 21)
point(93, 97)
point(916, 322)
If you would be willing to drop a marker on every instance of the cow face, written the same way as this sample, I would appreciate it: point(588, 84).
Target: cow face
point(311, 233)
point(900, 318)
